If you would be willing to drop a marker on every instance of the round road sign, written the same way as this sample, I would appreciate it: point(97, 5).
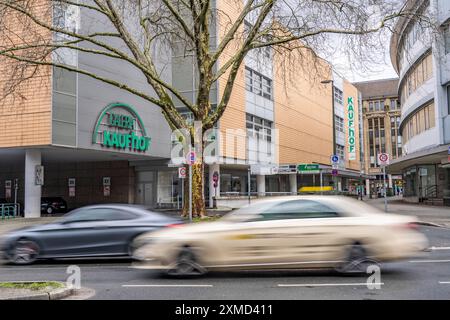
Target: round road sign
point(191, 158)
point(334, 158)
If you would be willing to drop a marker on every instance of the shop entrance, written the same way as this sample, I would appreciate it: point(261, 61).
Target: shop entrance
point(145, 194)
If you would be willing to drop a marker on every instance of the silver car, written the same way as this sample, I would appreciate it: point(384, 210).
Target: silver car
point(92, 231)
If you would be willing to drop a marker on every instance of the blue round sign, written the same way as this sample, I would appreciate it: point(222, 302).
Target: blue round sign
point(334, 158)
point(191, 158)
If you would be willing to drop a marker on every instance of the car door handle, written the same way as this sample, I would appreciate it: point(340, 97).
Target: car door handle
point(100, 227)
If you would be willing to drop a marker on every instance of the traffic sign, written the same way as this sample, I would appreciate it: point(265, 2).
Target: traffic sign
point(215, 176)
point(191, 158)
point(383, 159)
point(334, 158)
point(308, 168)
point(182, 172)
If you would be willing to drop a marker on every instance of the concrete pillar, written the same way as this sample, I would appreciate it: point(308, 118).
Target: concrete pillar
point(367, 187)
point(260, 185)
point(293, 183)
point(32, 203)
point(213, 191)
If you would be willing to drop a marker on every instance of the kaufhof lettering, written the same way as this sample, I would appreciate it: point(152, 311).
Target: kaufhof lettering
point(125, 141)
point(119, 126)
point(351, 129)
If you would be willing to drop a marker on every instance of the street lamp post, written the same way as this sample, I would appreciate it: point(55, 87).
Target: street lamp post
point(334, 124)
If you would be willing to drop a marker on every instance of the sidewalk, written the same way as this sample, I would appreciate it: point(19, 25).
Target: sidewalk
point(18, 223)
point(431, 214)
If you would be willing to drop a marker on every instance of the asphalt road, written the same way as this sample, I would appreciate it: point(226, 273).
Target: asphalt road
point(427, 277)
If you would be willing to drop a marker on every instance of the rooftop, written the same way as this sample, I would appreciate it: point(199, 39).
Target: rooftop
point(378, 88)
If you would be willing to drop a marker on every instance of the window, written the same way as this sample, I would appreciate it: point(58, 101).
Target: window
point(338, 96)
point(298, 209)
point(417, 76)
point(447, 39)
point(376, 105)
point(414, 32)
point(448, 99)
point(420, 121)
point(66, 17)
point(258, 84)
point(394, 104)
point(260, 127)
point(340, 151)
point(99, 214)
point(339, 123)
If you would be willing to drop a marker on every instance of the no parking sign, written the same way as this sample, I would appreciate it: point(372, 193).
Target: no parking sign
point(383, 159)
point(182, 172)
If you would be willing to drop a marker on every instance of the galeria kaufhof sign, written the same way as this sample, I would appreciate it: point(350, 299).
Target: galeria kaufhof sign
point(119, 126)
point(351, 129)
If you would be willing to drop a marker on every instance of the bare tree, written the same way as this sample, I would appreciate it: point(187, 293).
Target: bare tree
point(31, 36)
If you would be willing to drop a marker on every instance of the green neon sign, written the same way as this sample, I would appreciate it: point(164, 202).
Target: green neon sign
point(351, 139)
point(119, 126)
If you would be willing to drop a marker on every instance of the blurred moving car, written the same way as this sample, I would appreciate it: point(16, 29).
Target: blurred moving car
point(285, 233)
point(52, 205)
point(92, 231)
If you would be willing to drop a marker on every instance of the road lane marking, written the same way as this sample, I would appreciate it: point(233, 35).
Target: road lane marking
point(329, 284)
point(167, 285)
point(439, 248)
point(444, 282)
point(428, 261)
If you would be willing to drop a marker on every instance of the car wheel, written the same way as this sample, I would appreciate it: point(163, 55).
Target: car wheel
point(50, 210)
point(186, 265)
point(356, 261)
point(25, 251)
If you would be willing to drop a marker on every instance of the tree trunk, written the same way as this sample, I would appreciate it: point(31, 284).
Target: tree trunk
point(198, 200)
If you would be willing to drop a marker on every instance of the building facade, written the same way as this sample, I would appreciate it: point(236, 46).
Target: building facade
point(420, 56)
point(82, 134)
point(381, 123)
point(95, 143)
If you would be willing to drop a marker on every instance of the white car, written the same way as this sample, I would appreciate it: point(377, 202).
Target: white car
point(284, 233)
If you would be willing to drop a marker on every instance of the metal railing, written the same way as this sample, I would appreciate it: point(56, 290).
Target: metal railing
point(431, 191)
point(9, 210)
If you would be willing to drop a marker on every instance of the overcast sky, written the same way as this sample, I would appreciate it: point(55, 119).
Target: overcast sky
point(344, 66)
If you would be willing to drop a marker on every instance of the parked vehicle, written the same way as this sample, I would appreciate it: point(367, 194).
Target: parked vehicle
point(92, 231)
point(285, 233)
point(51, 205)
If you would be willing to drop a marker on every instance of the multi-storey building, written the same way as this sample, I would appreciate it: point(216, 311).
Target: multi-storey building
point(76, 128)
point(421, 57)
point(381, 123)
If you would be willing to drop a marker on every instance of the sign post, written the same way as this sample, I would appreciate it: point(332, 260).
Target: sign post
point(182, 176)
point(383, 161)
point(334, 171)
point(16, 187)
point(8, 184)
point(191, 161)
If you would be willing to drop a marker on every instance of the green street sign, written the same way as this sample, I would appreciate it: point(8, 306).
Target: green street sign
point(308, 168)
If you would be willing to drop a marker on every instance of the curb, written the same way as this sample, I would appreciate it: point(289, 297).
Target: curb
point(56, 294)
